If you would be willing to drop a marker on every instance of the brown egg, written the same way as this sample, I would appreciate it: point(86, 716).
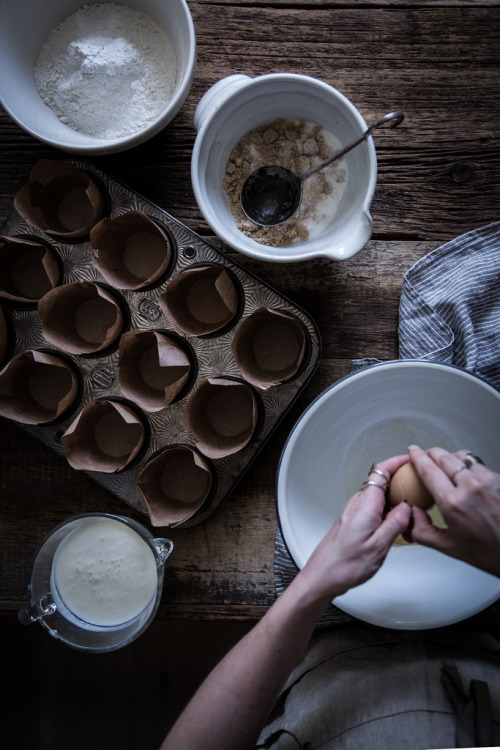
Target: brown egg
point(407, 485)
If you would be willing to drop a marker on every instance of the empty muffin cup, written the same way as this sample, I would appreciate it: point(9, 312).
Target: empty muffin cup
point(175, 484)
point(28, 270)
point(153, 368)
point(269, 347)
point(37, 388)
point(81, 318)
point(106, 436)
point(130, 250)
point(60, 199)
point(201, 300)
point(223, 415)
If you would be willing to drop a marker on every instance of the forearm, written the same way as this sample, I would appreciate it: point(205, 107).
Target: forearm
point(231, 706)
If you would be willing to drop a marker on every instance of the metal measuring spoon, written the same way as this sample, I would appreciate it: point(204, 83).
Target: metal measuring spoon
point(271, 195)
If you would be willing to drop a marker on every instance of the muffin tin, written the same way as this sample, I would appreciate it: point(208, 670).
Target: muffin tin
point(212, 354)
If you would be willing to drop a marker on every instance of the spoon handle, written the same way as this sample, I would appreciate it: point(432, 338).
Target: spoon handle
point(394, 118)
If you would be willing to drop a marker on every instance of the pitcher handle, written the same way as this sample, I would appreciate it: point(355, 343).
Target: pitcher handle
point(32, 612)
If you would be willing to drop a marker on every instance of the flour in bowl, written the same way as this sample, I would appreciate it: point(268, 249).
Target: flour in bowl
point(106, 71)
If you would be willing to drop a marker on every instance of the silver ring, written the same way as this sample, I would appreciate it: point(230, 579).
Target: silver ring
point(452, 478)
point(373, 470)
point(370, 483)
point(470, 460)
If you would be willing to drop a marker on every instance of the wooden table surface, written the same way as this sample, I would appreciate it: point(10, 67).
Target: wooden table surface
point(439, 176)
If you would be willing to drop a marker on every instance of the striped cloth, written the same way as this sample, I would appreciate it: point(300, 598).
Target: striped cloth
point(450, 305)
point(449, 312)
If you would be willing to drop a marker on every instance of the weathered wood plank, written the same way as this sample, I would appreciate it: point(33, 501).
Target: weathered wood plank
point(433, 172)
point(357, 4)
point(439, 175)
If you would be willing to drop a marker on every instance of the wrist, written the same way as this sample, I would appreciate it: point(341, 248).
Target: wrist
point(309, 596)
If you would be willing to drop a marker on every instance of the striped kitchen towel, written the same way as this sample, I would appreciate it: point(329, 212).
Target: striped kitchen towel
point(450, 305)
point(449, 312)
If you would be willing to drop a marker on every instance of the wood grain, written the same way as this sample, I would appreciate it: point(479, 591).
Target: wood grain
point(439, 176)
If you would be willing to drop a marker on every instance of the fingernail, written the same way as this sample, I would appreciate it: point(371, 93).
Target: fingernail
point(411, 447)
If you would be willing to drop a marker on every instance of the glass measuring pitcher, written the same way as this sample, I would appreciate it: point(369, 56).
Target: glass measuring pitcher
point(96, 581)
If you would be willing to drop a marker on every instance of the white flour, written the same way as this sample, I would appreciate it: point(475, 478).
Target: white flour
point(106, 71)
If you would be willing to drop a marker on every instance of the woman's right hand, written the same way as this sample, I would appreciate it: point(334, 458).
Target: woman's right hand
point(357, 544)
point(469, 501)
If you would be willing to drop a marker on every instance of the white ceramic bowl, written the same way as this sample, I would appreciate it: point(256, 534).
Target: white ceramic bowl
point(368, 416)
point(237, 104)
point(24, 29)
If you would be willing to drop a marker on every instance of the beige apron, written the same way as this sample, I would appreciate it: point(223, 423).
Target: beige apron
point(364, 688)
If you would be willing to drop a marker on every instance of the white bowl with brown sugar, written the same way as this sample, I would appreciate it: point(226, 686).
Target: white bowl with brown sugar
point(291, 120)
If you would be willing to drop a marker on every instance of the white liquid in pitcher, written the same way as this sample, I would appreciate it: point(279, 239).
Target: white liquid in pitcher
point(103, 573)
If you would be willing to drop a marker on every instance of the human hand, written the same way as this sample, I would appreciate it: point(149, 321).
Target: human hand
point(357, 544)
point(469, 501)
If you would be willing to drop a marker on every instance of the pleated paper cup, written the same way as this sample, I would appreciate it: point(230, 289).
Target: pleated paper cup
point(131, 251)
point(175, 484)
point(60, 199)
point(28, 270)
point(201, 301)
point(153, 368)
point(223, 415)
point(81, 318)
point(106, 436)
point(37, 388)
point(269, 347)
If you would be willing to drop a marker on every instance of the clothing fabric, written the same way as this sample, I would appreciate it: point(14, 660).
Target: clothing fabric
point(363, 687)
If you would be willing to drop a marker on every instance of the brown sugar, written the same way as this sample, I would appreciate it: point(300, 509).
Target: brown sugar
point(297, 145)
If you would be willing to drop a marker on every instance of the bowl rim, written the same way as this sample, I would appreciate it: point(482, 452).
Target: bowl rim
point(361, 370)
point(473, 608)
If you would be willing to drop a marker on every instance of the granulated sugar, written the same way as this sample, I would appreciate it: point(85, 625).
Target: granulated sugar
point(297, 145)
point(106, 71)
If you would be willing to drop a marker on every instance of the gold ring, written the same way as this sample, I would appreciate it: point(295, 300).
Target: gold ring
point(370, 483)
point(373, 470)
point(470, 460)
point(452, 478)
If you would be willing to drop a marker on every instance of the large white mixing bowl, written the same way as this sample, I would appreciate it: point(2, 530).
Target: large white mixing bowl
point(368, 416)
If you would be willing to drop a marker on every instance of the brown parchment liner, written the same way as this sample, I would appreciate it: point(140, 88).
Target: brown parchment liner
point(81, 318)
point(153, 368)
point(269, 347)
point(175, 484)
point(201, 300)
point(60, 199)
point(131, 251)
point(222, 414)
point(28, 270)
point(37, 387)
point(106, 436)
